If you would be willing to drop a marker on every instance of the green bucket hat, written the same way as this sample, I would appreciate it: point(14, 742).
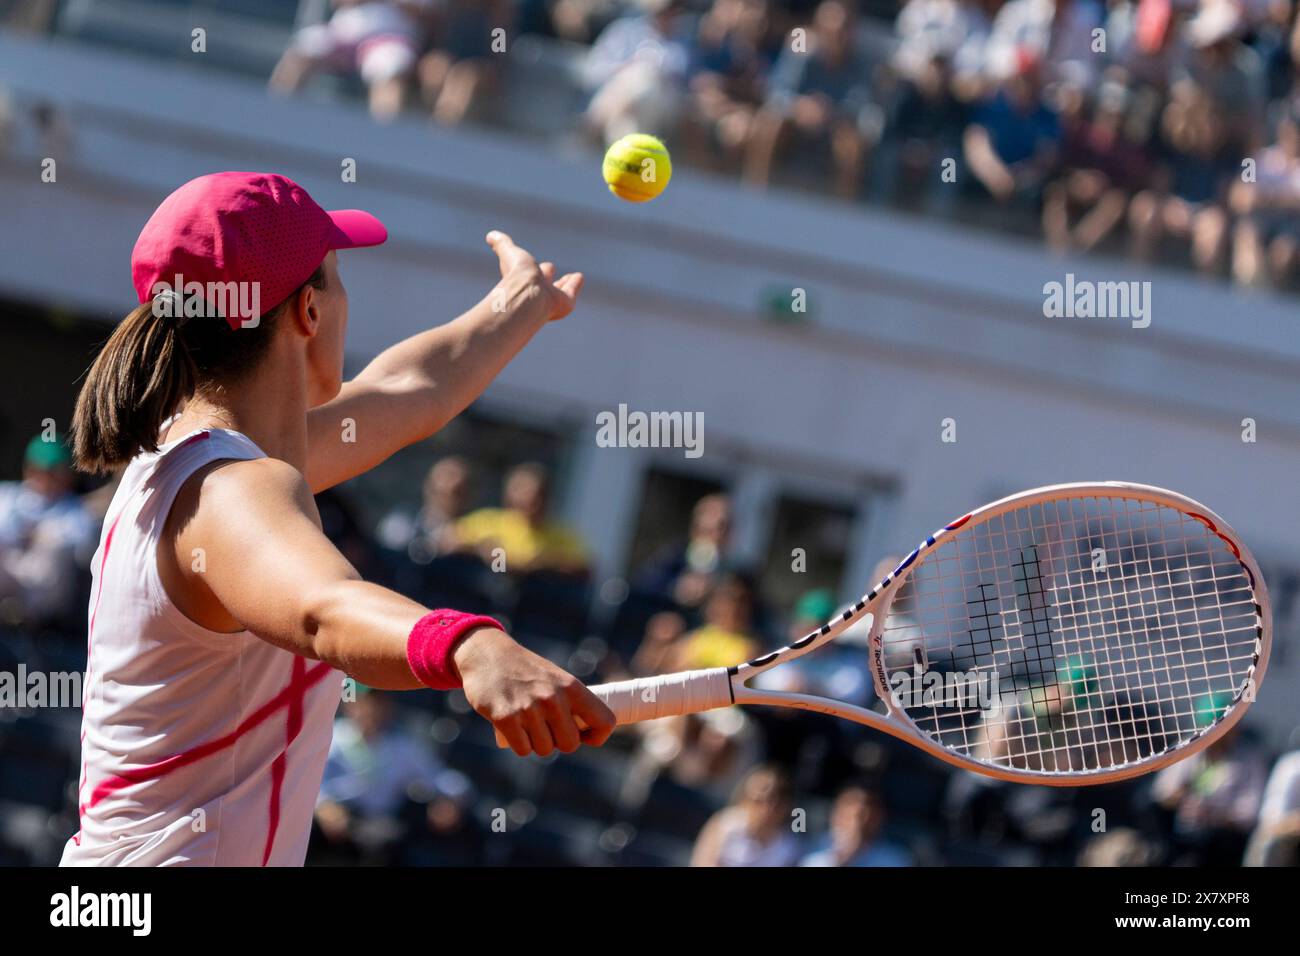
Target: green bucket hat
point(1210, 707)
point(1077, 678)
point(46, 455)
point(816, 606)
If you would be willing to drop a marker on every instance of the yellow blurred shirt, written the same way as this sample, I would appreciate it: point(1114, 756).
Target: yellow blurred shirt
point(712, 646)
point(550, 545)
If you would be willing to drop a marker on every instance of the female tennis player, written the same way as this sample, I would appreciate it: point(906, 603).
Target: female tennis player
point(222, 621)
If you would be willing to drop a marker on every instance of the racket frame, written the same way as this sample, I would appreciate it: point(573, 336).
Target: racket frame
point(897, 723)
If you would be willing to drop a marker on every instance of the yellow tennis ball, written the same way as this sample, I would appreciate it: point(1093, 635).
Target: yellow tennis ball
point(637, 167)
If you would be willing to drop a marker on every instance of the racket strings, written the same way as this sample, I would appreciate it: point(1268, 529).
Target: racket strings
point(1130, 726)
point(1073, 634)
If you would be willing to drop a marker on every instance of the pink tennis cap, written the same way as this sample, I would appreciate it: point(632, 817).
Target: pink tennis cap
point(244, 228)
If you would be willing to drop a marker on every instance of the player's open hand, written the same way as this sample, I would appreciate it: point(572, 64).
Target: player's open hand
point(557, 297)
point(535, 706)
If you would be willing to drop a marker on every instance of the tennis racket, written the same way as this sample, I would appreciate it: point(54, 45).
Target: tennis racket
point(1074, 634)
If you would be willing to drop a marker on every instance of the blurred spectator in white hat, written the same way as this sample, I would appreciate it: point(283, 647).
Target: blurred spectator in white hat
point(1059, 32)
point(956, 31)
point(1230, 72)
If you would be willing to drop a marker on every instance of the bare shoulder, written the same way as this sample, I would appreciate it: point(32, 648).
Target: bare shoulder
point(223, 492)
point(254, 478)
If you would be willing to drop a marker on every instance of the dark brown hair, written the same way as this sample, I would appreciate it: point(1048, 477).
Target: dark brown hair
point(149, 366)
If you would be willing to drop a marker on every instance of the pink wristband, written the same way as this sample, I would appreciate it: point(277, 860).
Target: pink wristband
point(428, 649)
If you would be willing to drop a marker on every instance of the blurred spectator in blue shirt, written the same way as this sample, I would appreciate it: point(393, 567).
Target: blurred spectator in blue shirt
point(939, 64)
point(924, 129)
point(822, 98)
point(374, 769)
point(46, 536)
point(838, 670)
point(1012, 144)
point(729, 67)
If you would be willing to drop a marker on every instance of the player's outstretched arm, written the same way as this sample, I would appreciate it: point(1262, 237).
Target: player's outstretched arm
point(413, 389)
point(271, 568)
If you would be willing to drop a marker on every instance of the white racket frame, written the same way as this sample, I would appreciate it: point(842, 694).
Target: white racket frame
point(690, 692)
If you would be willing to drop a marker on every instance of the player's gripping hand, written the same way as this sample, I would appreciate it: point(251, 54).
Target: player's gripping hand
point(524, 276)
point(537, 707)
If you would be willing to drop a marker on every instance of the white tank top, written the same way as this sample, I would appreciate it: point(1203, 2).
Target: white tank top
point(197, 747)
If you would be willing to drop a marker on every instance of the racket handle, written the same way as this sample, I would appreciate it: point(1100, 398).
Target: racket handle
point(671, 695)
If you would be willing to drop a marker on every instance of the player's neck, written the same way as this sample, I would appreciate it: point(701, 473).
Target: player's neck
point(267, 407)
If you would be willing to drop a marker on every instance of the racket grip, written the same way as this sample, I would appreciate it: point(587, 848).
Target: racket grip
point(671, 695)
point(649, 698)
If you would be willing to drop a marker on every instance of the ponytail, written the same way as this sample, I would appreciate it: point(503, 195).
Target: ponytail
point(149, 367)
point(137, 381)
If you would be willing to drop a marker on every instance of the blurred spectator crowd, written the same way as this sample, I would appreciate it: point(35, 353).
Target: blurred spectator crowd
point(1165, 130)
point(417, 778)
